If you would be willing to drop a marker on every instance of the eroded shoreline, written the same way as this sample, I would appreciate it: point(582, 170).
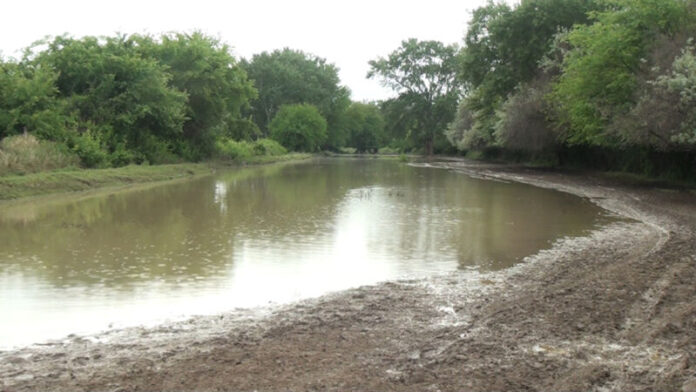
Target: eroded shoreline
point(611, 311)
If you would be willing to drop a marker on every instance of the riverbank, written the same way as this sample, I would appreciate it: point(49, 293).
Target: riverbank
point(62, 181)
point(614, 310)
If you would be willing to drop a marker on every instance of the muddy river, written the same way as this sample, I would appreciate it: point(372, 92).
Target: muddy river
point(80, 264)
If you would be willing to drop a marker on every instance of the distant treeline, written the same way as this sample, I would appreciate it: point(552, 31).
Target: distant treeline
point(608, 84)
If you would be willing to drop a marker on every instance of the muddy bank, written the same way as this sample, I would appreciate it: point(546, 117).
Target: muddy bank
point(615, 310)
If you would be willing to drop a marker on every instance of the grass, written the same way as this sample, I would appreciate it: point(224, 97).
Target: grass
point(70, 180)
point(262, 159)
point(22, 154)
point(42, 183)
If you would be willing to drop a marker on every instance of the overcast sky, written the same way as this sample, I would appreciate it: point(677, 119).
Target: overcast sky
point(346, 33)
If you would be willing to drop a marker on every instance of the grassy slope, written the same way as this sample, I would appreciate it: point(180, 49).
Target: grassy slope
point(16, 186)
point(35, 184)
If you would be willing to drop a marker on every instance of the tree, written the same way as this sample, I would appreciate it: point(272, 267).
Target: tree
point(598, 80)
point(502, 51)
point(29, 102)
point(121, 98)
point(216, 86)
point(299, 128)
point(365, 126)
point(285, 77)
point(423, 73)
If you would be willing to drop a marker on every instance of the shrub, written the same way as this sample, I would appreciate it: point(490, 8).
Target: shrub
point(268, 147)
point(87, 146)
point(122, 156)
point(232, 149)
point(299, 128)
point(26, 154)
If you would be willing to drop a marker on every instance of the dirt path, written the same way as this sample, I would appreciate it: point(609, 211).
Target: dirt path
point(614, 311)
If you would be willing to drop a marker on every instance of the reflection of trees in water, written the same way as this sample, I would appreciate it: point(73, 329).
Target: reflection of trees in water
point(173, 231)
point(113, 240)
point(190, 229)
point(515, 221)
point(484, 223)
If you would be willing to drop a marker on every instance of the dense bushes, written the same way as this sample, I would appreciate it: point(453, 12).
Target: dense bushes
point(607, 83)
point(240, 150)
point(598, 80)
point(299, 128)
point(126, 99)
point(29, 103)
point(523, 123)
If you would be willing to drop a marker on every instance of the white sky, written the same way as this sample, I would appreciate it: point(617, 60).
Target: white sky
point(346, 33)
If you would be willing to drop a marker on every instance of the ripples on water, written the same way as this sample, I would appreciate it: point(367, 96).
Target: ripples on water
point(252, 236)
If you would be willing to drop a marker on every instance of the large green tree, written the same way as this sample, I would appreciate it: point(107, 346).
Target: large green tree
point(216, 87)
point(365, 126)
point(287, 76)
point(115, 93)
point(423, 73)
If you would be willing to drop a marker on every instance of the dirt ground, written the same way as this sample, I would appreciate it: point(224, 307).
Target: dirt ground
point(613, 311)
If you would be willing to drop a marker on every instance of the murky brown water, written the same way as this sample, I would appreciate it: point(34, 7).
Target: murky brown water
point(252, 236)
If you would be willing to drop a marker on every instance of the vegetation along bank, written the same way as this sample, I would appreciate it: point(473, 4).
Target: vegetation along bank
point(598, 84)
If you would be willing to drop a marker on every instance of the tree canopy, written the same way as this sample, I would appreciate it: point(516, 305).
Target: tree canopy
point(299, 128)
point(121, 99)
point(365, 126)
point(423, 73)
point(285, 77)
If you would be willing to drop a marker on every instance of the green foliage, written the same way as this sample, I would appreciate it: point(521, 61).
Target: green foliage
point(16, 186)
point(21, 154)
point(115, 92)
point(123, 99)
point(286, 77)
point(216, 87)
point(28, 102)
point(243, 150)
point(423, 73)
point(299, 128)
point(268, 147)
point(234, 150)
point(88, 147)
point(242, 129)
point(598, 80)
point(523, 121)
point(503, 48)
point(459, 132)
point(365, 126)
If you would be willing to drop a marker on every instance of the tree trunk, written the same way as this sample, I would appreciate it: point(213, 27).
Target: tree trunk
point(429, 146)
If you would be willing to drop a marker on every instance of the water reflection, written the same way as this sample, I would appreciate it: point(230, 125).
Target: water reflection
point(250, 236)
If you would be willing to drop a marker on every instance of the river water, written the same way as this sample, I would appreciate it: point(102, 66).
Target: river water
point(254, 236)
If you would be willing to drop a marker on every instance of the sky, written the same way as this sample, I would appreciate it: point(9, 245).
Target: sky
point(346, 33)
